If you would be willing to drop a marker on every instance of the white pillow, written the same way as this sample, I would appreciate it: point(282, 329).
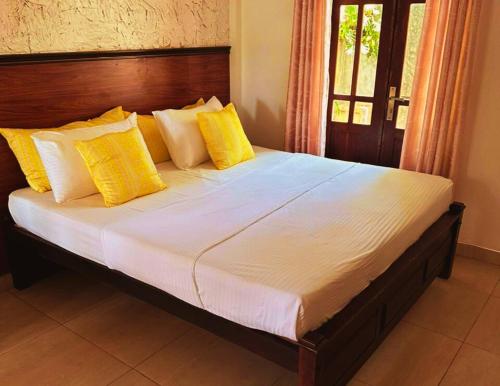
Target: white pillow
point(180, 131)
point(68, 175)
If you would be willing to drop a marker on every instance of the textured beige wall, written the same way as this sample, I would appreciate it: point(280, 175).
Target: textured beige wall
point(28, 26)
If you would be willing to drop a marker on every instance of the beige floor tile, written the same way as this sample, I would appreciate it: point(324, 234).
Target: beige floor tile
point(496, 291)
point(58, 357)
point(449, 307)
point(410, 355)
point(129, 329)
point(486, 331)
point(20, 322)
point(200, 358)
point(65, 295)
point(476, 275)
point(133, 378)
point(473, 367)
point(287, 379)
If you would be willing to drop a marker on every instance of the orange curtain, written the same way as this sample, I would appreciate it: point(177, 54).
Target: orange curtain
point(435, 121)
point(304, 127)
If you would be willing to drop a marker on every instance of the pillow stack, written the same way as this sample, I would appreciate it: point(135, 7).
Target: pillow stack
point(67, 173)
point(210, 131)
point(25, 151)
point(115, 153)
point(181, 133)
point(152, 136)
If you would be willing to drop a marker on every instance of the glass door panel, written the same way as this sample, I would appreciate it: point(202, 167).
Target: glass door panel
point(363, 113)
point(346, 47)
point(340, 111)
point(368, 56)
point(415, 23)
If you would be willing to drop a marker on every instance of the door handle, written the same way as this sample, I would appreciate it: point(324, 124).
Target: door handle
point(392, 101)
point(399, 99)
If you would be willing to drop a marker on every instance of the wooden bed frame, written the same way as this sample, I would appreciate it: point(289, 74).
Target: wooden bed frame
point(47, 90)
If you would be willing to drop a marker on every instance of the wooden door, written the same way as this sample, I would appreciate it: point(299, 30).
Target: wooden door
point(368, 57)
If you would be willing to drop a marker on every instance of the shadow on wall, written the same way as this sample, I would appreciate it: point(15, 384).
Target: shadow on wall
point(263, 127)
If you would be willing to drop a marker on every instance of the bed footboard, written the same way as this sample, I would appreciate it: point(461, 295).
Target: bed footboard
point(332, 354)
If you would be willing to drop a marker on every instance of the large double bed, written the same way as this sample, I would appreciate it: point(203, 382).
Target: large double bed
point(306, 260)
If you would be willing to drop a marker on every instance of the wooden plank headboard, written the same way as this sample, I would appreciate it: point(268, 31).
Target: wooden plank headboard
point(39, 90)
point(47, 90)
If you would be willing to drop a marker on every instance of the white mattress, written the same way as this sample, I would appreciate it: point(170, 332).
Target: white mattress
point(280, 243)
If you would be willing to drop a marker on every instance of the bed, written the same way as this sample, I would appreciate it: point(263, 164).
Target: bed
point(307, 261)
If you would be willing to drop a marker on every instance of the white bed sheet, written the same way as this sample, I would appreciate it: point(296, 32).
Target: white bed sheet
point(280, 243)
point(77, 225)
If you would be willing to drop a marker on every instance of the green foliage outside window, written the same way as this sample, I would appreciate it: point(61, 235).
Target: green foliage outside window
point(370, 36)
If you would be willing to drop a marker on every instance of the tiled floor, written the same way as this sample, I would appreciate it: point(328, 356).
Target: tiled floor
point(67, 330)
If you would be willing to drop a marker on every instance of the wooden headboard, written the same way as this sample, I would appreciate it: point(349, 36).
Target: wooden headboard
point(47, 90)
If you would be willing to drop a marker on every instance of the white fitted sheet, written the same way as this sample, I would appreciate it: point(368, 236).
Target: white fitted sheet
point(280, 243)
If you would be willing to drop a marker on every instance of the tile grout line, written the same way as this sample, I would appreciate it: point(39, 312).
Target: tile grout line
point(35, 308)
point(434, 332)
point(63, 324)
point(131, 367)
point(60, 324)
point(477, 317)
point(98, 347)
point(69, 330)
point(83, 312)
point(451, 363)
point(482, 349)
point(128, 372)
point(31, 339)
point(92, 308)
point(57, 324)
point(467, 335)
point(157, 351)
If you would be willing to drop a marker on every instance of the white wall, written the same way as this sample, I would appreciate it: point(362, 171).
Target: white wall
point(260, 36)
point(478, 185)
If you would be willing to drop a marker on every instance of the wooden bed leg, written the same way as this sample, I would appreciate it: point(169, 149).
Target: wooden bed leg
point(308, 367)
point(26, 266)
point(455, 208)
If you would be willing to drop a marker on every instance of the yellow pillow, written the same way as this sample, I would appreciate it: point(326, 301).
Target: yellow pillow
point(25, 151)
point(120, 166)
point(225, 138)
point(152, 136)
point(199, 102)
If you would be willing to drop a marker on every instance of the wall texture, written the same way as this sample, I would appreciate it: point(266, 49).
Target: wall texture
point(478, 185)
point(29, 26)
point(261, 33)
